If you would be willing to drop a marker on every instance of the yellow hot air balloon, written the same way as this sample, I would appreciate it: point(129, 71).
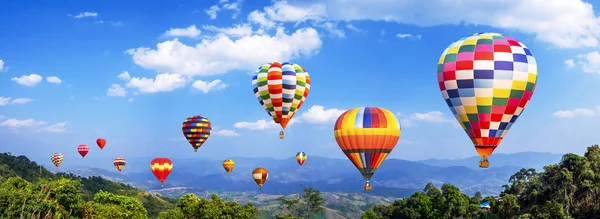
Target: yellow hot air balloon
point(367, 135)
point(260, 175)
point(119, 163)
point(228, 165)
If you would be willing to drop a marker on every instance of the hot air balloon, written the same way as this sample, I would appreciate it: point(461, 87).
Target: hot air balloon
point(281, 89)
point(119, 163)
point(196, 130)
point(101, 142)
point(57, 159)
point(228, 165)
point(487, 80)
point(301, 157)
point(367, 135)
point(260, 175)
point(83, 149)
point(161, 167)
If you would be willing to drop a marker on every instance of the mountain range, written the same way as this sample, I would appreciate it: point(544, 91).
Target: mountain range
point(395, 177)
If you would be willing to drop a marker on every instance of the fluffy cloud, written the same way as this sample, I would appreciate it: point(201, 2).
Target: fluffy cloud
point(15, 123)
point(224, 5)
point(28, 80)
point(590, 62)
point(570, 63)
point(53, 79)
point(60, 127)
point(86, 14)
point(407, 35)
point(433, 116)
point(116, 91)
point(209, 86)
point(353, 28)
point(258, 125)
point(7, 100)
point(566, 114)
point(225, 132)
point(565, 24)
point(222, 54)
point(236, 31)
point(191, 32)
point(130, 100)
point(124, 76)
point(2, 65)
point(319, 115)
point(161, 83)
point(333, 30)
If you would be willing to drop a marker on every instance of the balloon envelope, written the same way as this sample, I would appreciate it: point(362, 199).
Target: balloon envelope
point(281, 89)
point(487, 79)
point(196, 130)
point(83, 149)
point(57, 159)
point(161, 167)
point(301, 157)
point(119, 163)
point(101, 142)
point(228, 165)
point(367, 135)
point(260, 176)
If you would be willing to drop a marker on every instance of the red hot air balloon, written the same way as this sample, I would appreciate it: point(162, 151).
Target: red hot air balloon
point(101, 142)
point(83, 149)
point(161, 167)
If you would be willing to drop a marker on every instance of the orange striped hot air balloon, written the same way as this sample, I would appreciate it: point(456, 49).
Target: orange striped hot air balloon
point(161, 167)
point(228, 165)
point(260, 175)
point(301, 158)
point(119, 163)
point(367, 135)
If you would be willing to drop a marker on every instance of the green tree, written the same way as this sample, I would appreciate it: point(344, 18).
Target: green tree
point(108, 205)
point(190, 206)
point(311, 202)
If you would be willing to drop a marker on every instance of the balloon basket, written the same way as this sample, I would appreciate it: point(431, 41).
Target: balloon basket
point(281, 135)
point(484, 163)
point(195, 150)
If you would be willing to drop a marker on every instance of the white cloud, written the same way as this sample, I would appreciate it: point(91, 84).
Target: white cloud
point(403, 35)
point(28, 80)
point(258, 125)
point(15, 123)
point(590, 63)
point(191, 32)
point(99, 22)
point(130, 100)
point(53, 79)
point(283, 12)
point(19, 101)
point(236, 31)
point(353, 28)
point(564, 114)
point(117, 23)
point(213, 11)
point(116, 91)
point(209, 86)
point(333, 30)
point(222, 54)
point(2, 117)
point(433, 116)
point(318, 114)
point(4, 101)
point(570, 63)
point(60, 127)
point(225, 132)
point(565, 24)
point(86, 14)
point(2, 65)
point(261, 19)
point(161, 83)
point(124, 76)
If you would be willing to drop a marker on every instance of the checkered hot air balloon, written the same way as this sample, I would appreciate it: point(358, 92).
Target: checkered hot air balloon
point(119, 163)
point(260, 176)
point(196, 130)
point(301, 157)
point(57, 159)
point(228, 165)
point(161, 168)
point(83, 149)
point(487, 79)
point(281, 89)
point(367, 135)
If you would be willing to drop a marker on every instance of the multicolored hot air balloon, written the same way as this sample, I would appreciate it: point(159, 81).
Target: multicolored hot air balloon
point(83, 149)
point(161, 167)
point(57, 159)
point(301, 157)
point(119, 163)
point(260, 175)
point(487, 80)
point(367, 135)
point(281, 89)
point(228, 165)
point(101, 143)
point(196, 130)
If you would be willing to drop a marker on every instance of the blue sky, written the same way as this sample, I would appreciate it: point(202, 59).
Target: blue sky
point(132, 72)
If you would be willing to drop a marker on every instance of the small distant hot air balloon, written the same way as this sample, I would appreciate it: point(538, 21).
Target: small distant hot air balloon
point(260, 175)
point(57, 159)
point(161, 167)
point(83, 149)
point(196, 130)
point(487, 80)
point(119, 163)
point(228, 165)
point(281, 89)
point(301, 158)
point(101, 143)
point(367, 135)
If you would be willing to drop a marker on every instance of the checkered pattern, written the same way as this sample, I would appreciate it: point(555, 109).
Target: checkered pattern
point(281, 89)
point(196, 130)
point(487, 80)
point(301, 158)
point(119, 163)
point(83, 149)
point(260, 176)
point(57, 159)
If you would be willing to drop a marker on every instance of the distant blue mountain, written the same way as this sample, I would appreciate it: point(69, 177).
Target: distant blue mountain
point(535, 160)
